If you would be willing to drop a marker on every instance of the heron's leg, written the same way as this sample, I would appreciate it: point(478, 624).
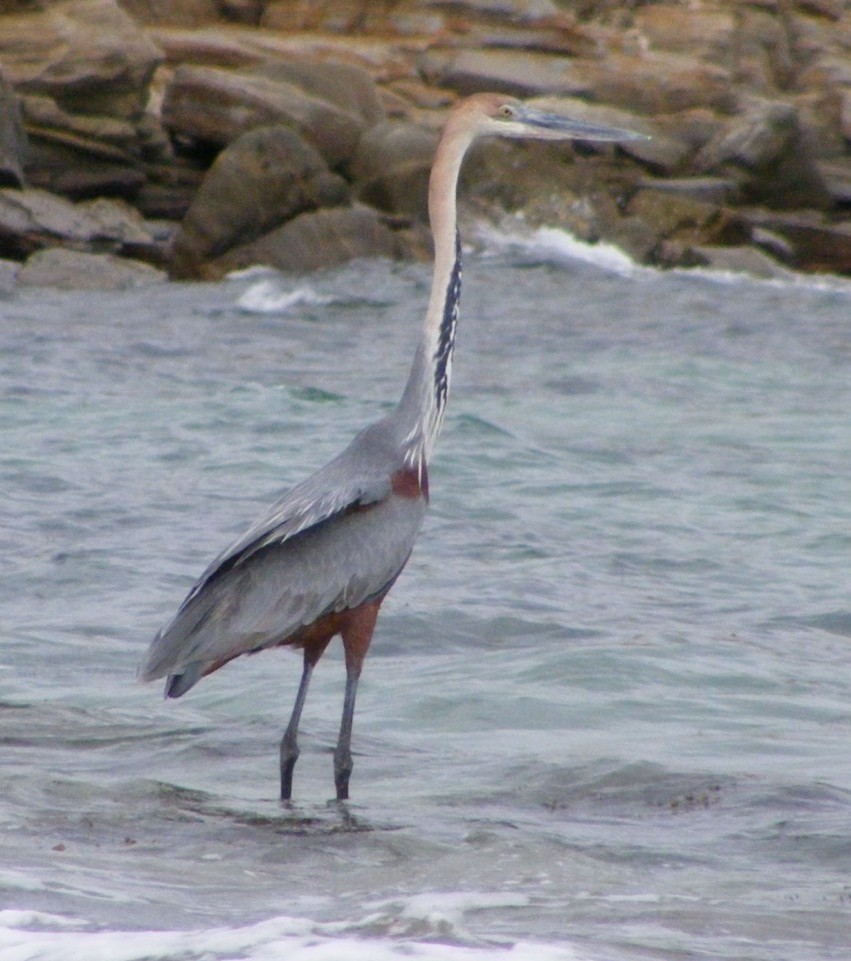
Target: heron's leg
point(343, 754)
point(357, 633)
point(289, 742)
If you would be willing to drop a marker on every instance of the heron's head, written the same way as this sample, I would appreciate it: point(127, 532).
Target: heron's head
point(496, 115)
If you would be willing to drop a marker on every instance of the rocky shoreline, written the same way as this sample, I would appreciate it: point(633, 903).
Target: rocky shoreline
point(144, 139)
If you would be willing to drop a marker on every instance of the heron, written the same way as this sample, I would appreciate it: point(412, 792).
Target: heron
point(321, 560)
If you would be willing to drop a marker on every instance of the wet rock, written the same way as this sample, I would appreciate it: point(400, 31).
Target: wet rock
point(266, 177)
point(77, 270)
point(313, 240)
point(744, 260)
point(391, 168)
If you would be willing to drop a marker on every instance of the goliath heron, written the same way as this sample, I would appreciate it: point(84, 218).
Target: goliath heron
point(322, 559)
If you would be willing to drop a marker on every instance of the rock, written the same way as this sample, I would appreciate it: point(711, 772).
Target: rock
point(656, 82)
point(264, 178)
point(13, 140)
point(711, 190)
point(391, 168)
point(32, 219)
point(818, 244)
point(82, 69)
point(836, 176)
point(88, 55)
point(184, 13)
point(215, 106)
point(517, 73)
point(348, 87)
point(77, 270)
point(684, 222)
point(745, 260)
point(236, 46)
point(313, 240)
point(9, 271)
point(762, 150)
point(754, 44)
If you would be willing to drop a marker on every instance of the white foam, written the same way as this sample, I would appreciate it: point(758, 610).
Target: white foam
point(556, 245)
point(34, 936)
point(267, 296)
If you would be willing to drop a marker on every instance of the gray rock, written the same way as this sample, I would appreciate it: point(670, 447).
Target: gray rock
point(77, 270)
point(314, 240)
point(265, 177)
point(392, 166)
point(32, 219)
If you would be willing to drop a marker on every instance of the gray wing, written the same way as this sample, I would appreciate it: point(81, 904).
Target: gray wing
point(335, 540)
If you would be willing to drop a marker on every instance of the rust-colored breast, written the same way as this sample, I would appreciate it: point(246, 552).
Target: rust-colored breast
point(410, 483)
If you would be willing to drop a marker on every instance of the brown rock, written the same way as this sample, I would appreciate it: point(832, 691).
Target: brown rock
point(818, 244)
point(267, 176)
point(89, 55)
point(313, 240)
point(215, 106)
point(518, 73)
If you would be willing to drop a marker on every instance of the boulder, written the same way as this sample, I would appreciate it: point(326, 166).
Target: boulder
point(391, 168)
point(264, 178)
point(77, 270)
point(313, 240)
point(322, 102)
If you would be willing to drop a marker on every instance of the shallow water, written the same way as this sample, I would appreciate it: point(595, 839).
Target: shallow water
point(607, 709)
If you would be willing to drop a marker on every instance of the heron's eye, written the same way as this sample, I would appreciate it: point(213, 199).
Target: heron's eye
point(506, 112)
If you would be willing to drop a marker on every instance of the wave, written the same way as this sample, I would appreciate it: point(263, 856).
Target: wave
point(37, 936)
point(556, 245)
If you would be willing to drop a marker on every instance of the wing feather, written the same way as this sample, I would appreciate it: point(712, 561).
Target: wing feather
point(330, 543)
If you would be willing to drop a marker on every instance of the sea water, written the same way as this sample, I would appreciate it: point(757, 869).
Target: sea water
point(607, 710)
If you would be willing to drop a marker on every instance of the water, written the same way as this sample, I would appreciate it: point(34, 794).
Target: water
point(607, 711)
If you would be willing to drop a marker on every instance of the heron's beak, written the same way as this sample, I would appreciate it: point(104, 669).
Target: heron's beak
point(554, 126)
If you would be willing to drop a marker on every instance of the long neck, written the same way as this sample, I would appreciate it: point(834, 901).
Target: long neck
point(424, 398)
